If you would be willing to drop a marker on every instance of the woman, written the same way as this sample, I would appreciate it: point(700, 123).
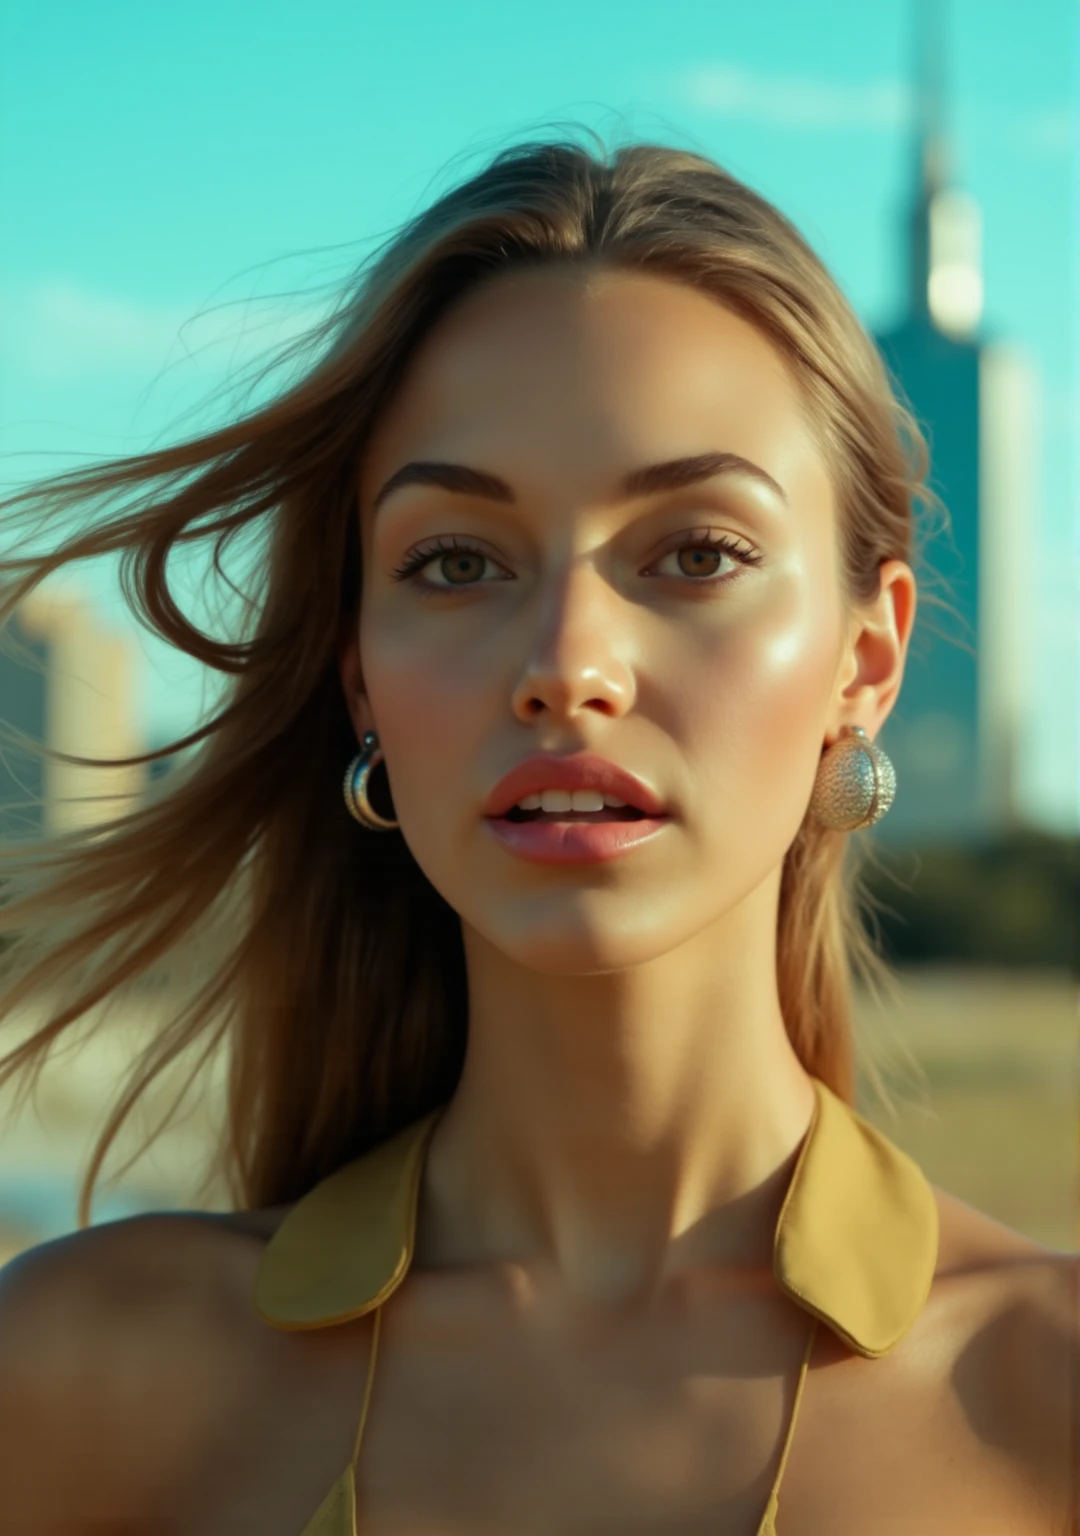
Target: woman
point(551, 1198)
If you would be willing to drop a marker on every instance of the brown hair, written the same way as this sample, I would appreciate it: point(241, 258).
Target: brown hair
point(330, 967)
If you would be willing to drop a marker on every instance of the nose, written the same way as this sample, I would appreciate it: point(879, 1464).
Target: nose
point(576, 652)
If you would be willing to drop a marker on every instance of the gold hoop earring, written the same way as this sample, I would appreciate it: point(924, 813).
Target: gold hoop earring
point(356, 786)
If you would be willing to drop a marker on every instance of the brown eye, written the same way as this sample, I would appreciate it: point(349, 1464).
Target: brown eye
point(699, 562)
point(459, 563)
point(699, 558)
point(459, 566)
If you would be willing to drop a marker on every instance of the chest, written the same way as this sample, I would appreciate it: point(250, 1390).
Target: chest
point(477, 1425)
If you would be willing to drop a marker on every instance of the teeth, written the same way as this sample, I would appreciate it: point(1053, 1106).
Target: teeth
point(575, 800)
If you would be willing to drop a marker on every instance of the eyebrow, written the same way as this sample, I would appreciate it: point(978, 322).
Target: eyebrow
point(671, 475)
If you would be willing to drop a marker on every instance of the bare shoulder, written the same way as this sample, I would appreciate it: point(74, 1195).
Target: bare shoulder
point(1012, 1313)
point(123, 1349)
point(1011, 1269)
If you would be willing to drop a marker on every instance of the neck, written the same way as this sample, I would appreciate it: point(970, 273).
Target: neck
point(611, 1131)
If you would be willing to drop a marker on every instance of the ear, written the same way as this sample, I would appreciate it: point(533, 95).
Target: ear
point(352, 678)
point(872, 669)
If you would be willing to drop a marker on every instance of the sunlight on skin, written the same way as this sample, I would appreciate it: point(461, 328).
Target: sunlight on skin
point(628, 1073)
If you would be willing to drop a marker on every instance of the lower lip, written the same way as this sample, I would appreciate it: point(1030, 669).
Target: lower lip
point(573, 842)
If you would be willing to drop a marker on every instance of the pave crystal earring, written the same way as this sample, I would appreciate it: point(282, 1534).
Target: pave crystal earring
point(855, 784)
point(357, 774)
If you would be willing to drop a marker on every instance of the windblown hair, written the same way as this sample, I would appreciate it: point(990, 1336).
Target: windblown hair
point(332, 972)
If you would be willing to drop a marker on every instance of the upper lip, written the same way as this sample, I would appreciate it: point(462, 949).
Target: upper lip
point(583, 771)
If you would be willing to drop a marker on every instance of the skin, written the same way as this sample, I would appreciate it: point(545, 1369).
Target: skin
point(630, 1103)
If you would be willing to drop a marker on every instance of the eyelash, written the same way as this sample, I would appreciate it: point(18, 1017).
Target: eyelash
point(423, 556)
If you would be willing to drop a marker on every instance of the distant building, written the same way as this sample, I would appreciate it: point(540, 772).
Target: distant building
point(78, 698)
point(955, 734)
point(23, 686)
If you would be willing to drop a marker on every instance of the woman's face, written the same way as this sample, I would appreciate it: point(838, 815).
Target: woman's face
point(574, 624)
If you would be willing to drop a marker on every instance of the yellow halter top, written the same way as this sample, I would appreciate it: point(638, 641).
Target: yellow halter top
point(855, 1246)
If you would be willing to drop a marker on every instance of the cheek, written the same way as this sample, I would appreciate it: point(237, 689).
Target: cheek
point(431, 702)
point(770, 675)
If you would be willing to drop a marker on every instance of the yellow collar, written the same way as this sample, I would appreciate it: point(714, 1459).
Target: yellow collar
point(855, 1243)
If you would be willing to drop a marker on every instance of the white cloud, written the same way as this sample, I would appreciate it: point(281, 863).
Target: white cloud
point(812, 102)
point(794, 101)
point(1053, 131)
point(59, 330)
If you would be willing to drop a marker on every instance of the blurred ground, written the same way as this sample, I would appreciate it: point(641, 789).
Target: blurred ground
point(995, 1120)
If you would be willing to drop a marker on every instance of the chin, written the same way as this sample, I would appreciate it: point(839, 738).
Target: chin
point(579, 942)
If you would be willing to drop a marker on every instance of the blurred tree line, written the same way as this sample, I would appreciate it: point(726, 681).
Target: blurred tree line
point(1013, 901)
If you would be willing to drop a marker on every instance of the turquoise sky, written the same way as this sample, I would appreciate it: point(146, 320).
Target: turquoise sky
point(157, 161)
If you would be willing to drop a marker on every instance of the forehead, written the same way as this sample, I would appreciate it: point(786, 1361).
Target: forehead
point(603, 369)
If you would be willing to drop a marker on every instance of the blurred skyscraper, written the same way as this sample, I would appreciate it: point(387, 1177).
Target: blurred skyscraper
point(79, 697)
point(956, 731)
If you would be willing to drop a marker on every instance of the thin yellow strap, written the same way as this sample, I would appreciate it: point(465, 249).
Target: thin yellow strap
point(367, 1387)
point(767, 1526)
